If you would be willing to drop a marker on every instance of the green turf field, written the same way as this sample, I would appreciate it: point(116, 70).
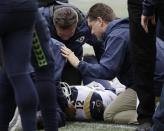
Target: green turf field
point(95, 126)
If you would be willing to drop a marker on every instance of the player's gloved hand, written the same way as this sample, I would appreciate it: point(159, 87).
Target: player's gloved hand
point(70, 111)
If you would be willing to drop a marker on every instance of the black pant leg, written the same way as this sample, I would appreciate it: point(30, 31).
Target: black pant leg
point(143, 52)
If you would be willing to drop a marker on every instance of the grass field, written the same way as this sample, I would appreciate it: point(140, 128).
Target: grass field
point(84, 126)
point(91, 126)
point(95, 126)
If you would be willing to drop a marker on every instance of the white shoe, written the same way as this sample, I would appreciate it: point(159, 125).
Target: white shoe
point(15, 124)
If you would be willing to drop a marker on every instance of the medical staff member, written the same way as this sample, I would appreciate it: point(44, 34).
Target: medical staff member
point(69, 25)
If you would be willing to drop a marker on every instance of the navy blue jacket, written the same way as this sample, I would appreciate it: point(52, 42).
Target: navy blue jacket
point(59, 60)
point(59, 65)
point(149, 7)
point(115, 61)
point(82, 34)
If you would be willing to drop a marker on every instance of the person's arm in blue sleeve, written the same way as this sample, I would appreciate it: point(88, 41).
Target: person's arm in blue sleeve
point(45, 12)
point(66, 106)
point(42, 11)
point(110, 61)
point(59, 61)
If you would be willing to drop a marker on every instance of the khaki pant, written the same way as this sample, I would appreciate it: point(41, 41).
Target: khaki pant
point(123, 109)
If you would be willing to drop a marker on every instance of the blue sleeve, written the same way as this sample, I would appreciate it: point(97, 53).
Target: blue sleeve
point(59, 64)
point(149, 7)
point(46, 14)
point(43, 11)
point(110, 62)
point(59, 60)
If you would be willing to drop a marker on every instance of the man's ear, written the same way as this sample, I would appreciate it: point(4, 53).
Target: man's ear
point(100, 20)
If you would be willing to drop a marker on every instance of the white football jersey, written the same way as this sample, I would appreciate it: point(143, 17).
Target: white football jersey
point(90, 101)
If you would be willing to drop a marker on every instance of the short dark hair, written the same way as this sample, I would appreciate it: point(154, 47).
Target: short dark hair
point(65, 17)
point(101, 10)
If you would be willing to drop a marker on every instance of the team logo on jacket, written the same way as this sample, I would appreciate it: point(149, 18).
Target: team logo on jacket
point(81, 39)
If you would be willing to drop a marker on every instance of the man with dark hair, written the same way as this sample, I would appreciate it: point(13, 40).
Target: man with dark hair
point(65, 20)
point(107, 14)
point(68, 25)
point(115, 61)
